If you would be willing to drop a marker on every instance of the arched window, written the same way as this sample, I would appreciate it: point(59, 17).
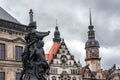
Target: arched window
point(57, 62)
point(70, 63)
point(53, 78)
point(63, 51)
point(74, 78)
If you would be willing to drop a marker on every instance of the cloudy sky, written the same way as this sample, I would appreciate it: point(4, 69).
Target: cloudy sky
point(73, 22)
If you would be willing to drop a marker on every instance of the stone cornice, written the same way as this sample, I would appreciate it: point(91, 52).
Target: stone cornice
point(10, 63)
point(88, 59)
point(13, 40)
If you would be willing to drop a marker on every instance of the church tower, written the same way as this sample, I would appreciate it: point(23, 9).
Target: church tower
point(92, 50)
point(56, 35)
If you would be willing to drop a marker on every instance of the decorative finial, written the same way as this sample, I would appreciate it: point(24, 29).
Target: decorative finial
point(31, 15)
point(90, 26)
point(90, 17)
point(56, 28)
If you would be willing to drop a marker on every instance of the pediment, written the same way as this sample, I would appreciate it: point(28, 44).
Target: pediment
point(19, 40)
point(86, 69)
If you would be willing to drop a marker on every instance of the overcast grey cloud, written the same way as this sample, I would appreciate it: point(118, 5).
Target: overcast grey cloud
point(73, 22)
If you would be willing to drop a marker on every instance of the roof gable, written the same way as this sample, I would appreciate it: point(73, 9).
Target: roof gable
point(63, 56)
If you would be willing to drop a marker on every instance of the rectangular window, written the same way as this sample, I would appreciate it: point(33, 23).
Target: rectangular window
point(2, 75)
point(2, 51)
point(18, 52)
point(18, 75)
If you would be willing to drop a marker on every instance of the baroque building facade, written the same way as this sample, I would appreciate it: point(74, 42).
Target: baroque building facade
point(63, 65)
point(11, 46)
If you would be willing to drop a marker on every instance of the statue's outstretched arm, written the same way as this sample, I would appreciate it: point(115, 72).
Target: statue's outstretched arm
point(43, 34)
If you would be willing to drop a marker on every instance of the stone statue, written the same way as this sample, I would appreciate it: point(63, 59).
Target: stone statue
point(35, 65)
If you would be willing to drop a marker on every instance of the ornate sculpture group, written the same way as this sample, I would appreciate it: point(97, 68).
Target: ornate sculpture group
point(35, 65)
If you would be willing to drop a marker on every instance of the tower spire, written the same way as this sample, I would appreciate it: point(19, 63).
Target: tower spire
point(91, 32)
point(31, 15)
point(90, 17)
point(56, 22)
point(90, 26)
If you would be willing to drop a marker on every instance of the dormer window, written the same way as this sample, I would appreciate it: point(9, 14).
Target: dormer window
point(62, 46)
point(93, 43)
point(53, 78)
point(63, 51)
point(57, 62)
point(63, 59)
point(93, 51)
point(70, 63)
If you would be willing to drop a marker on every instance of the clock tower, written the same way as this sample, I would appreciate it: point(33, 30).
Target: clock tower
point(92, 50)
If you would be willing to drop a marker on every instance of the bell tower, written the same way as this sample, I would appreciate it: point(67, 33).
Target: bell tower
point(92, 50)
point(56, 34)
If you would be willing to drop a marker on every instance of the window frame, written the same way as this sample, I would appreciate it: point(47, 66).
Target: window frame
point(17, 75)
point(4, 51)
point(18, 54)
point(3, 78)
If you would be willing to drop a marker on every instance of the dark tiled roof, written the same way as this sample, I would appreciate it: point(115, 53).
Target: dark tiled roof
point(12, 26)
point(4, 15)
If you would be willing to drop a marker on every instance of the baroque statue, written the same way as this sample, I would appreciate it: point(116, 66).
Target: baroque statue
point(34, 63)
